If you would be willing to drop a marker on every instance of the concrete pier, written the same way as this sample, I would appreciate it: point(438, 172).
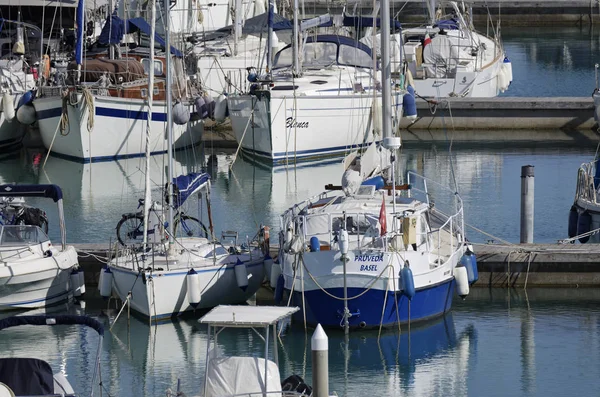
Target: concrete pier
point(504, 113)
point(501, 266)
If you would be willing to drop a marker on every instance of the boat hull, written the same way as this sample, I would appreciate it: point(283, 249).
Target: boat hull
point(117, 128)
point(163, 294)
point(284, 129)
point(37, 282)
point(373, 307)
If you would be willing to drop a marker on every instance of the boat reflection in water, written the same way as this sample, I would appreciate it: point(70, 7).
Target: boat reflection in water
point(147, 360)
point(430, 360)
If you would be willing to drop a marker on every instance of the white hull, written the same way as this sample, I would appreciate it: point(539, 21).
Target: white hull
point(161, 294)
point(288, 129)
point(32, 281)
point(11, 132)
point(116, 130)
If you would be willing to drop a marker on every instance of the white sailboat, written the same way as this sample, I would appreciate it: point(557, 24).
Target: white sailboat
point(169, 275)
point(365, 255)
point(448, 57)
point(101, 115)
point(325, 107)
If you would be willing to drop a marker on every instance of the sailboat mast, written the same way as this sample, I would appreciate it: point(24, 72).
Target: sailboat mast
point(168, 93)
point(270, 36)
point(390, 140)
point(386, 79)
point(147, 195)
point(79, 44)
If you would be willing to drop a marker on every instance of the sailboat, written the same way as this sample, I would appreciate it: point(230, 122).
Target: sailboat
point(370, 253)
point(168, 275)
point(100, 115)
point(325, 107)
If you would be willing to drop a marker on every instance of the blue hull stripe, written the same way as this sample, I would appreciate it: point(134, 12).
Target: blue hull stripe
point(47, 298)
point(304, 155)
point(220, 269)
point(366, 310)
point(108, 112)
point(98, 159)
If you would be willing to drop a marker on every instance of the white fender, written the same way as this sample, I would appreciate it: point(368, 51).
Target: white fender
point(194, 292)
point(221, 108)
point(8, 106)
point(462, 281)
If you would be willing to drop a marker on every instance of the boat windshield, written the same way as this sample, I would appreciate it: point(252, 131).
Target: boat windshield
point(13, 235)
point(319, 55)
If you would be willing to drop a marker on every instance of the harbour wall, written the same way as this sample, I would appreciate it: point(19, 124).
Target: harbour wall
point(499, 265)
point(508, 12)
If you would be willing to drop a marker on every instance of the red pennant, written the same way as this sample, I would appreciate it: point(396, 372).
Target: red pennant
point(382, 218)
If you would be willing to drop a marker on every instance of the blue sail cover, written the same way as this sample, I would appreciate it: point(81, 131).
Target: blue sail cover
point(186, 185)
point(49, 191)
point(448, 24)
point(80, 29)
point(113, 30)
point(140, 24)
point(64, 319)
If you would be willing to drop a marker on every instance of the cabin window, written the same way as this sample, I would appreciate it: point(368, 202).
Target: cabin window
point(355, 57)
point(144, 92)
point(158, 67)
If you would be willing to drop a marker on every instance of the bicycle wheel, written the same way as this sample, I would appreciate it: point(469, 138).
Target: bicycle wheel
point(190, 227)
point(130, 229)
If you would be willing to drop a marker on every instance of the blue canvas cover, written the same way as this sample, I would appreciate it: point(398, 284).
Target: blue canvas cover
point(113, 31)
point(448, 24)
point(80, 21)
point(135, 24)
point(27, 376)
point(50, 191)
point(186, 185)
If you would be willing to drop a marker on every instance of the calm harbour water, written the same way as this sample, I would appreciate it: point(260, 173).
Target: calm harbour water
point(495, 343)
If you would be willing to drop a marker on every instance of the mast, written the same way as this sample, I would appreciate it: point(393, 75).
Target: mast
point(390, 141)
point(147, 195)
point(270, 37)
point(168, 93)
point(80, 29)
point(295, 43)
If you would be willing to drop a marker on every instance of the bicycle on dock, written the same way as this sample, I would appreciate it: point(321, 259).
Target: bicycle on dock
point(130, 229)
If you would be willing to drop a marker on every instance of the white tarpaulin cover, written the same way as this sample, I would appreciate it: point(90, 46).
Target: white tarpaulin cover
point(228, 376)
point(441, 57)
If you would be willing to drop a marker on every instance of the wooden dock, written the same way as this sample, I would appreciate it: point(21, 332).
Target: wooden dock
point(501, 266)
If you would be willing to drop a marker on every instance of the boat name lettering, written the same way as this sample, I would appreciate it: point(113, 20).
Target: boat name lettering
point(368, 258)
point(368, 268)
point(291, 122)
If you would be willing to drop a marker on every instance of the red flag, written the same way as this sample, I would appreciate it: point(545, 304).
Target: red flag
point(427, 40)
point(382, 218)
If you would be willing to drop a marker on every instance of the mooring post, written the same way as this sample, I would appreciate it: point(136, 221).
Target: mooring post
point(527, 184)
point(319, 344)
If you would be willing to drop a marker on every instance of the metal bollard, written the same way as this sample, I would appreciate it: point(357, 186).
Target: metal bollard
point(527, 184)
point(319, 344)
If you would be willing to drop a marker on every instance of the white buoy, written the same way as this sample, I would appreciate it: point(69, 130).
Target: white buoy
point(75, 283)
point(81, 281)
point(275, 272)
point(268, 265)
point(343, 241)
point(106, 283)
point(193, 288)
point(507, 65)
point(26, 115)
point(462, 281)
point(221, 108)
point(241, 275)
point(8, 106)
